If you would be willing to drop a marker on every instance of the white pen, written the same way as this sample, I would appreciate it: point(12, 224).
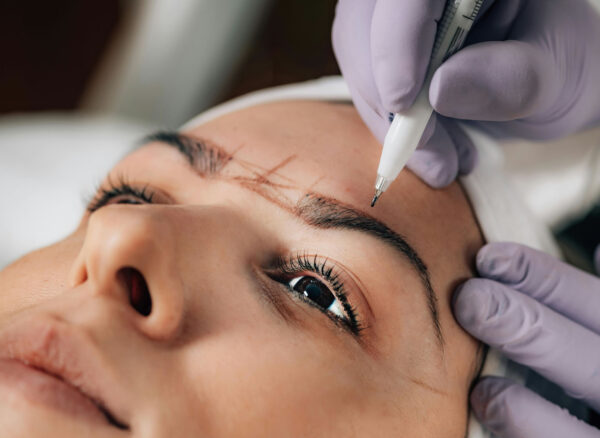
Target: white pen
point(407, 127)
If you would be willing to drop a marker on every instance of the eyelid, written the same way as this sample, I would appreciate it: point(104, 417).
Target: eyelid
point(350, 287)
point(111, 189)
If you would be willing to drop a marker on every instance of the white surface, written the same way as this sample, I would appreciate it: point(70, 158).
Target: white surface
point(49, 163)
point(173, 58)
point(559, 180)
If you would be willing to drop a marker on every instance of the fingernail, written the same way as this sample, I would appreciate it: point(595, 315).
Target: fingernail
point(474, 304)
point(494, 261)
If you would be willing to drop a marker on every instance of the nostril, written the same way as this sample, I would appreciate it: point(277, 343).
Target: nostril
point(137, 288)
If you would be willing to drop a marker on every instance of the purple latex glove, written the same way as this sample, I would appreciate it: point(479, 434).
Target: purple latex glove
point(541, 313)
point(530, 70)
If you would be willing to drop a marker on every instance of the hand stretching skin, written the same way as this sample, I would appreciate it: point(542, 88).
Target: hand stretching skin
point(541, 313)
point(530, 71)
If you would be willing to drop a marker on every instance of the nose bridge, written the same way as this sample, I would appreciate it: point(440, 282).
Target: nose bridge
point(127, 236)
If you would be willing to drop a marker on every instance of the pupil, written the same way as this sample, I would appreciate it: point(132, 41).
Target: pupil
point(315, 291)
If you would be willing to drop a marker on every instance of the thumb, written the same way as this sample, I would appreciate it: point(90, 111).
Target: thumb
point(495, 81)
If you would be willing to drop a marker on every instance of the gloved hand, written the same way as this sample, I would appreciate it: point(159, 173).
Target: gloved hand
point(530, 70)
point(541, 313)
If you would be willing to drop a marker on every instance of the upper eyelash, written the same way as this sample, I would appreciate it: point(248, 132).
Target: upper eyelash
point(121, 188)
point(304, 262)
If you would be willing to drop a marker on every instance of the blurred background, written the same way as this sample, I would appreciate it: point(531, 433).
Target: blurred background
point(157, 61)
point(81, 81)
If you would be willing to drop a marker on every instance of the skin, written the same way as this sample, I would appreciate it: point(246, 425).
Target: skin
point(215, 357)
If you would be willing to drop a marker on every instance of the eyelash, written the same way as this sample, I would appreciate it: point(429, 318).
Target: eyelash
point(287, 268)
point(106, 194)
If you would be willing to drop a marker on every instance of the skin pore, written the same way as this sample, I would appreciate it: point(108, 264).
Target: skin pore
point(248, 212)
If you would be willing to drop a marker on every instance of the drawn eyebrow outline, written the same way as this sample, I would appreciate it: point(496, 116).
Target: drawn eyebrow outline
point(314, 209)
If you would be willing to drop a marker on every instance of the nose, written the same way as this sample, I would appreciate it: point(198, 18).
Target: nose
point(129, 255)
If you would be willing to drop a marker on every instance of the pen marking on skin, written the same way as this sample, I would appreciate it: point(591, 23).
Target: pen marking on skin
point(311, 187)
point(261, 188)
point(261, 172)
point(281, 165)
point(314, 209)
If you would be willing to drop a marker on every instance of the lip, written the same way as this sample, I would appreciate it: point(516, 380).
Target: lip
point(52, 363)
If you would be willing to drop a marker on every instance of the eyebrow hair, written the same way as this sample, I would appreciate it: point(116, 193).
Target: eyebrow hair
point(205, 158)
point(314, 209)
point(324, 212)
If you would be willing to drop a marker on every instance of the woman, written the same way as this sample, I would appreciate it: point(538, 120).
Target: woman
point(254, 297)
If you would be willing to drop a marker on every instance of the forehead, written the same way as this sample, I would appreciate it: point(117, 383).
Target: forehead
point(317, 146)
point(326, 148)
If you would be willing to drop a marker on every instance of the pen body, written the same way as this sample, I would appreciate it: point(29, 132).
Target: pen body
point(407, 128)
point(404, 135)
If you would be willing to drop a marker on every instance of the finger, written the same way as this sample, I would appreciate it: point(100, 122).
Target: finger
point(351, 43)
point(532, 334)
point(402, 36)
point(571, 292)
point(435, 161)
point(495, 81)
point(512, 411)
point(465, 149)
point(377, 123)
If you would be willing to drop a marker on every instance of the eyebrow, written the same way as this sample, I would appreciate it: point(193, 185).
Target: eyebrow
point(204, 158)
point(316, 210)
point(323, 212)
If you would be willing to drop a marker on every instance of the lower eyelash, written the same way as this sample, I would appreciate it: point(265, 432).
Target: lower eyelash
point(303, 262)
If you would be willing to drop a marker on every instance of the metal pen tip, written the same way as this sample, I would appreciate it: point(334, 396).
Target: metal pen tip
point(376, 197)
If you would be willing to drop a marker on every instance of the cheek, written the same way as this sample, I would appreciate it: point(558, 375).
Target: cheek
point(39, 275)
point(285, 379)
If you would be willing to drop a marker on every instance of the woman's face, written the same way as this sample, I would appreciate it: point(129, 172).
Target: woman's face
point(258, 294)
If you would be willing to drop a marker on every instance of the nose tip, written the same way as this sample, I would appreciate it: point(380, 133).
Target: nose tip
point(128, 255)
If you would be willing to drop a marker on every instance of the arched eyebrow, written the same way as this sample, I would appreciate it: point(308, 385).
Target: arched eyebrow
point(324, 212)
point(319, 211)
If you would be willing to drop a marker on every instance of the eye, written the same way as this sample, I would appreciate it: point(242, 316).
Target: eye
point(325, 290)
point(316, 291)
point(121, 193)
